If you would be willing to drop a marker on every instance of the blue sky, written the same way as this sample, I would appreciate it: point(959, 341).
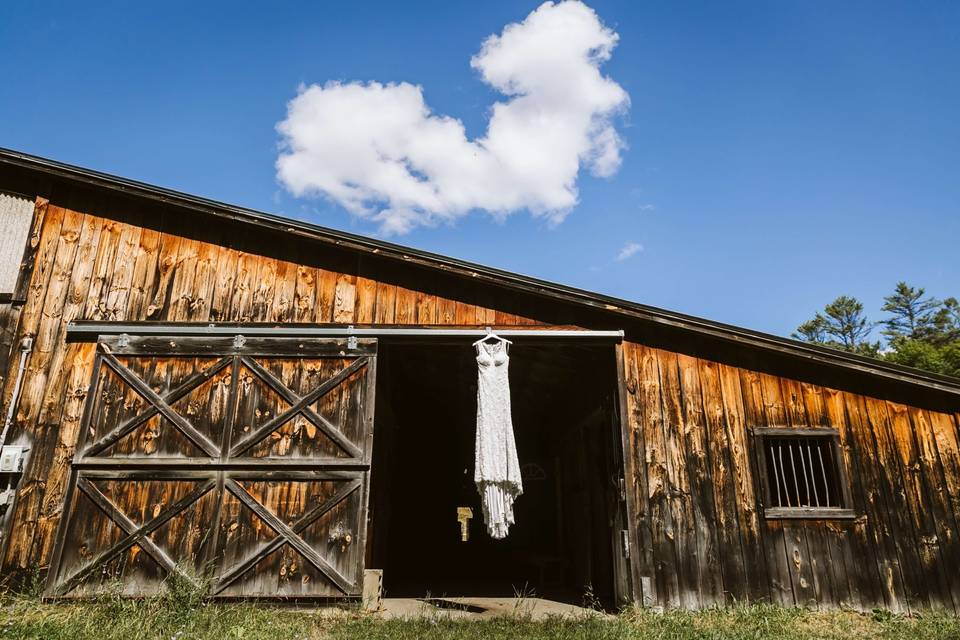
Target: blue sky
point(778, 154)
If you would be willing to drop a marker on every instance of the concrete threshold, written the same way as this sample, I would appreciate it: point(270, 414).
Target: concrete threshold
point(466, 608)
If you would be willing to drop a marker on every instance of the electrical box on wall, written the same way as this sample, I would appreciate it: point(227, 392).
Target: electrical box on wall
point(11, 458)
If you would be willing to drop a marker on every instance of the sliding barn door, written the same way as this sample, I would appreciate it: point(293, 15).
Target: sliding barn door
point(242, 463)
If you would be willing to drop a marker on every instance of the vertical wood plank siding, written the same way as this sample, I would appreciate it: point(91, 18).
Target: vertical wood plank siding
point(903, 465)
point(9, 316)
point(702, 537)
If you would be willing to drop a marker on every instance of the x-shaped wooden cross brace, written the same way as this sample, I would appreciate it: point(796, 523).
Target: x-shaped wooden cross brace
point(159, 404)
point(287, 534)
point(135, 534)
point(301, 405)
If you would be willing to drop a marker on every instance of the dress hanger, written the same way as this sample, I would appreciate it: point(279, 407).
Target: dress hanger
point(491, 336)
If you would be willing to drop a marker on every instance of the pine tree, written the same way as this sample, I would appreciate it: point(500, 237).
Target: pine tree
point(946, 322)
point(922, 332)
point(813, 330)
point(914, 316)
point(842, 325)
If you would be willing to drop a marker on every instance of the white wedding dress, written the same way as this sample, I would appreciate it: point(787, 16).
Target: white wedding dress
point(497, 470)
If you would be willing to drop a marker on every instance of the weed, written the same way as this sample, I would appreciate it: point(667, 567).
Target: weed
point(185, 590)
point(882, 615)
point(521, 605)
point(590, 599)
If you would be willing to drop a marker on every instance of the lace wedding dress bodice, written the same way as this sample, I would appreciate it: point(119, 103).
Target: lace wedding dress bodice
point(496, 470)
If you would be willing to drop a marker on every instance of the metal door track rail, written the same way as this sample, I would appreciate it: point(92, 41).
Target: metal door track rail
point(89, 331)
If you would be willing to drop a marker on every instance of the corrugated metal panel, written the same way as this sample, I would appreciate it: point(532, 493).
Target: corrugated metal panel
point(15, 215)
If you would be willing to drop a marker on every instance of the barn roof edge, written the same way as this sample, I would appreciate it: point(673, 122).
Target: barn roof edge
point(522, 283)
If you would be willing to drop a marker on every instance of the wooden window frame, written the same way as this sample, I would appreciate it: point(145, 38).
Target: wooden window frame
point(760, 434)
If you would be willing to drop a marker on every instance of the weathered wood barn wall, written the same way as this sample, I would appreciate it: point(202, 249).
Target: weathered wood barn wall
point(705, 537)
point(700, 534)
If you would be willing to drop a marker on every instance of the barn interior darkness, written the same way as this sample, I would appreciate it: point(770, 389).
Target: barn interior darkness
point(565, 423)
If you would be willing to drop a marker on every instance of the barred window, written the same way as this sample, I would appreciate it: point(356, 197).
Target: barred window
point(802, 473)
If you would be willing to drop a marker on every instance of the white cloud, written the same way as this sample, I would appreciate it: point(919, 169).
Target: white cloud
point(629, 250)
point(379, 151)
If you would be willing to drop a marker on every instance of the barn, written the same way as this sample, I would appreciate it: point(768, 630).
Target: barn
point(284, 411)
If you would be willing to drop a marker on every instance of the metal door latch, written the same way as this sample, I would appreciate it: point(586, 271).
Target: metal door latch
point(351, 340)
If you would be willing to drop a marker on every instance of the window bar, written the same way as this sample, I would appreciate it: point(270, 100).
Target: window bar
point(800, 450)
point(776, 474)
point(786, 489)
point(823, 469)
point(786, 480)
point(793, 467)
point(816, 494)
point(806, 478)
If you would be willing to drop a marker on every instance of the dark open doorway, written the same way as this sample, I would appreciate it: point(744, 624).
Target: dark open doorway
point(564, 544)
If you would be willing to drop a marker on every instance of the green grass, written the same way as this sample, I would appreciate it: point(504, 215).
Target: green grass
point(753, 623)
point(182, 615)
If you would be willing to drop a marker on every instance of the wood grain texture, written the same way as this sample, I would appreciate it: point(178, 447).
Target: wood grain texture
point(680, 499)
point(638, 485)
point(9, 318)
point(710, 575)
point(719, 478)
point(663, 537)
point(745, 486)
